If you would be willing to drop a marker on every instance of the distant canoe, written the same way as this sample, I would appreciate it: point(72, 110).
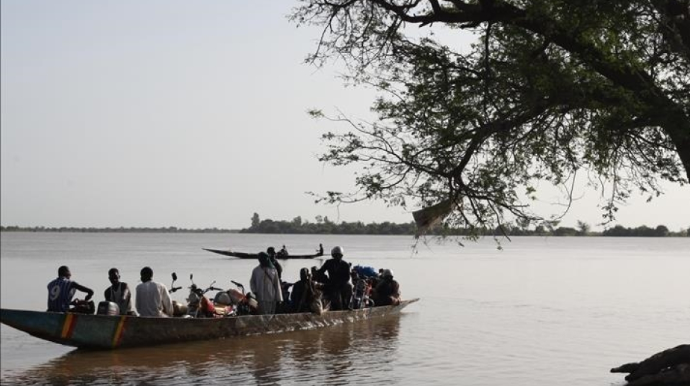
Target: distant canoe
point(243, 255)
point(110, 332)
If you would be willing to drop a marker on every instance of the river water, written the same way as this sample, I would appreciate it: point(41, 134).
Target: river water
point(542, 311)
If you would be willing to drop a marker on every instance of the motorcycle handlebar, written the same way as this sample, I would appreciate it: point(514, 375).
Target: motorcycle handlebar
point(209, 289)
point(173, 289)
point(236, 283)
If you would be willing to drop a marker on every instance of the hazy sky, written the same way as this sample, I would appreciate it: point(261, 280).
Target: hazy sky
point(188, 114)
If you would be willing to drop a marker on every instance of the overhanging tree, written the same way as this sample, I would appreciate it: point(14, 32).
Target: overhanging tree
point(549, 88)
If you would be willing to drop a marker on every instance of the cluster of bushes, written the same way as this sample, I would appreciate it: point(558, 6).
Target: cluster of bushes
point(327, 227)
point(642, 231)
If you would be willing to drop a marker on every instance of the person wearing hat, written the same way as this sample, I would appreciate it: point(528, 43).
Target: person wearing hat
point(61, 291)
point(338, 287)
point(153, 298)
point(119, 293)
point(387, 291)
point(265, 284)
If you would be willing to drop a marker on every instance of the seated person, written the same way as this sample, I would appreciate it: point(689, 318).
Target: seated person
point(317, 276)
point(283, 252)
point(152, 298)
point(119, 293)
point(61, 291)
point(387, 291)
point(306, 294)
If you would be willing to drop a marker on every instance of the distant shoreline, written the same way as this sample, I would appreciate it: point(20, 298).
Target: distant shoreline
point(114, 230)
point(567, 232)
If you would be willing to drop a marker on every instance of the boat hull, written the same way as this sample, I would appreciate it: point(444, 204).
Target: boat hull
point(243, 255)
point(111, 332)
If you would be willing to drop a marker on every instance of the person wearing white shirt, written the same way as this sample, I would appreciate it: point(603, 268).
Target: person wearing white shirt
point(265, 284)
point(152, 298)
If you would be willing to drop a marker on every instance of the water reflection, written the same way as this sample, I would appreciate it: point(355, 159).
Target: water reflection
point(335, 355)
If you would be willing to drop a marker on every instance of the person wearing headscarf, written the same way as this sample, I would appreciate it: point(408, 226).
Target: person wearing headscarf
point(265, 284)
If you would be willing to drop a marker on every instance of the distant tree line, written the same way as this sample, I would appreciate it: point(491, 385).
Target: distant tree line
point(323, 225)
point(14, 228)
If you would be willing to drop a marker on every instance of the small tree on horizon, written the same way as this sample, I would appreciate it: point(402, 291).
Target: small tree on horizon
point(583, 228)
point(256, 220)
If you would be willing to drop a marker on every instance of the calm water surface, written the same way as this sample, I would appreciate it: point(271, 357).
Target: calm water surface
point(543, 311)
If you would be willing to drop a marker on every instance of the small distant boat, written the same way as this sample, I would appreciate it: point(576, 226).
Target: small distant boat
point(111, 332)
point(244, 255)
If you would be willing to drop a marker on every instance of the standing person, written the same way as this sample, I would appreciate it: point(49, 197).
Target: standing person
point(338, 287)
point(265, 284)
point(61, 291)
point(387, 291)
point(274, 262)
point(153, 298)
point(119, 293)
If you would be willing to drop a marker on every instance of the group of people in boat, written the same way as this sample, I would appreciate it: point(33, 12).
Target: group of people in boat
point(336, 285)
point(152, 298)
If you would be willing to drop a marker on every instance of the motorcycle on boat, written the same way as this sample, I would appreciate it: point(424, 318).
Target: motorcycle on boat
point(199, 306)
point(232, 302)
point(245, 303)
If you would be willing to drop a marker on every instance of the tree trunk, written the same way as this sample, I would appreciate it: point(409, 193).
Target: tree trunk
point(677, 126)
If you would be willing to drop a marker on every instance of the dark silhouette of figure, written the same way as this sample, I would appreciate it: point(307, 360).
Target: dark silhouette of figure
point(387, 291)
point(306, 294)
point(337, 287)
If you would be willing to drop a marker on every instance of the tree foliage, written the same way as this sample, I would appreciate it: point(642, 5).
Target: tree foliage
point(641, 231)
point(548, 89)
point(325, 226)
point(256, 219)
point(583, 228)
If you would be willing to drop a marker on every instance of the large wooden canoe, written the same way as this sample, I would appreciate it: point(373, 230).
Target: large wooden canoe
point(110, 332)
point(255, 256)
